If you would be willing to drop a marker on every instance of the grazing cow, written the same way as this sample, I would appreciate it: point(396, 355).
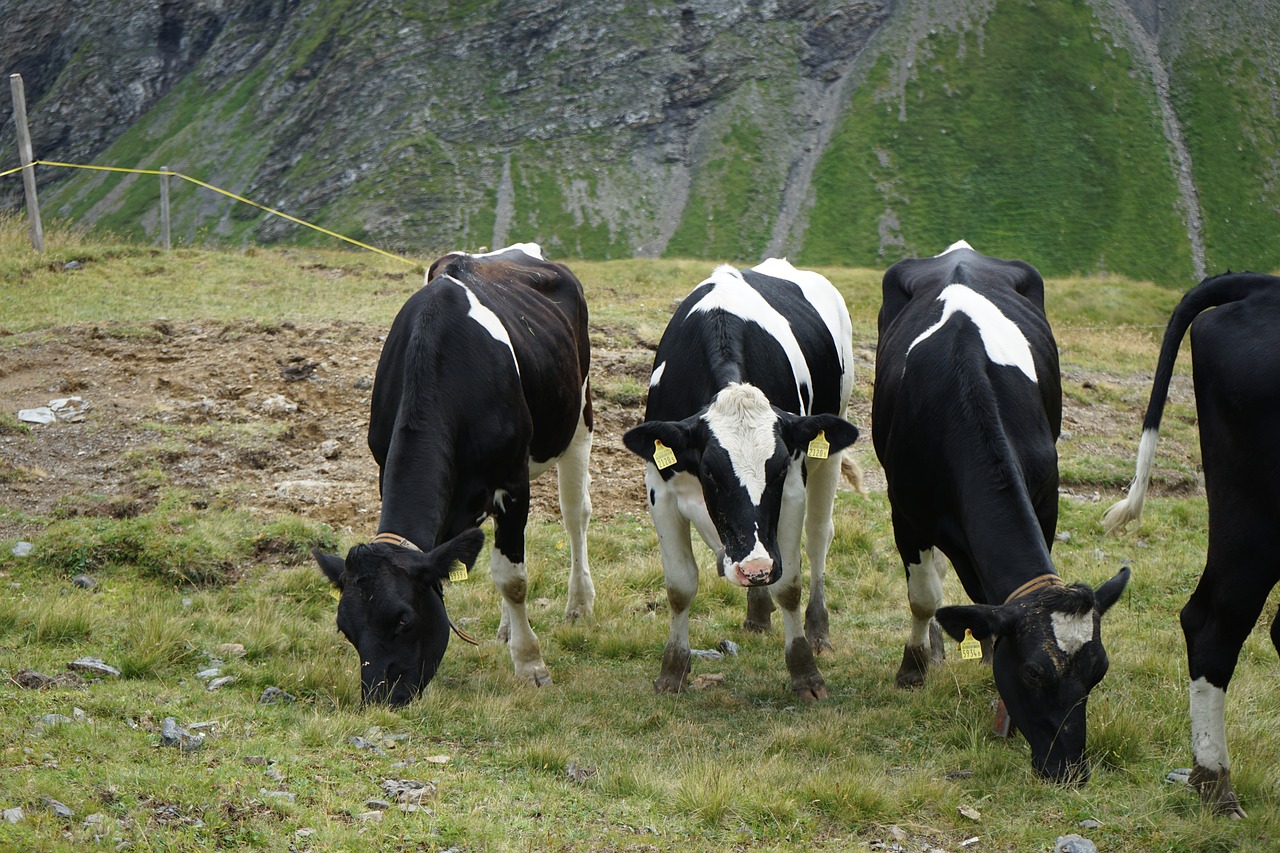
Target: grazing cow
point(1235, 354)
point(482, 386)
point(966, 412)
point(749, 382)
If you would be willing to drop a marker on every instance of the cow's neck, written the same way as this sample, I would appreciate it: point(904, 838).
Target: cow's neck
point(417, 484)
point(1005, 559)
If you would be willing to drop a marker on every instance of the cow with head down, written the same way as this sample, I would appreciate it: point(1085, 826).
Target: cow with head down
point(743, 439)
point(481, 387)
point(966, 413)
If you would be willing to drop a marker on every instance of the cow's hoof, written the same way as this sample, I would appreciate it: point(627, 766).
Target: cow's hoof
point(753, 627)
point(938, 644)
point(814, 691)
point(675, 669)
point(534, 676)
point(669, 683)
point(1216, 792)
point(820, 644)
point(915, 663)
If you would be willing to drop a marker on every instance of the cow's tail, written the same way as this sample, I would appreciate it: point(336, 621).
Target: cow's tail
point(1210, 293)
point(853, 472)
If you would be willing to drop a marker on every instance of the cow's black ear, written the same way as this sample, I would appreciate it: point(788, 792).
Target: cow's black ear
point(799, 431)
point(1109, 593)
point(676, 435)
point(332, 565)
point(463, 548)
point(983, 620)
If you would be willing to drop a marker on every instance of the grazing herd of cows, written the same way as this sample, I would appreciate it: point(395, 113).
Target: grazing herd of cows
point(483, 385)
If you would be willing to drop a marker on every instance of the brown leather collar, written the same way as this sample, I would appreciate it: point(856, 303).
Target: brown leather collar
point(396, 539)
point(1038, 582)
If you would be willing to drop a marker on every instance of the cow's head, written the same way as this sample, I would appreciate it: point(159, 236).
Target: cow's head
point(743, 452)
point(392, 610)
point(1048, 656)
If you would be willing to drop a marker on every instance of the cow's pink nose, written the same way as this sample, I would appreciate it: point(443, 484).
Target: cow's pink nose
point(755, 572)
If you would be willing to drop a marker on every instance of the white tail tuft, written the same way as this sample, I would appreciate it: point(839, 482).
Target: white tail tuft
point(1117, 518)
point(853, 473)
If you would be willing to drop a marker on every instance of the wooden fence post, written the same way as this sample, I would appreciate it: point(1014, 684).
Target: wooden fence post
point(164, 207)
point(25, 158)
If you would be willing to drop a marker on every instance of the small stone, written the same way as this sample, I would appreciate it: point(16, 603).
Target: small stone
point(206, 726)
point(1064, 536)
point(413, 807)
point(1181, 776)
point(1074, 844)
point(208, 674)
point(93, 665)
point(702, 682)
point(1089, 823)
point(274, 696)
point(287, 796)
point(364, 383)
point(377, 805)
point(897, 834)
point(84, 582)
point(13, 815)
point(58, 808)
point(369, 817)
point(231, 650)
point(256, 760)
point(969, 812)
point(729, 647)
point(95, 819)
point(55, 719)
point(21, 549)
point(220, 682)
point(172, 734)
point(360, 743)
point(330, 449)
point(72, 265)
point(275, 774)
point(79, 715)
point(706, 654)
point(304, 832)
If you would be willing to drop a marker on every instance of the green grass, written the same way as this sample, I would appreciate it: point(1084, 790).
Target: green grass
point(737, 766)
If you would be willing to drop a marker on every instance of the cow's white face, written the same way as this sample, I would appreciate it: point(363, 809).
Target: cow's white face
point(747, 457)
point(1004, 341)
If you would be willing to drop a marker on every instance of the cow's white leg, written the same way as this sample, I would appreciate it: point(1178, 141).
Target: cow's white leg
point(806, 681)
point(824, 476)
point(1211, 775)
point(680, 570)
point(924, 593)
point(506, 565)
point(575, 508)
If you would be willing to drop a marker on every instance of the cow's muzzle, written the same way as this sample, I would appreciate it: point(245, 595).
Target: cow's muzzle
point(759, 572)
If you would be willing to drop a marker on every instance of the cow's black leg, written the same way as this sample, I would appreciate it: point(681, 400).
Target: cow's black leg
point(806, 680)
point(759, 609)
point(510, 577)
point(924, 594)
point(1215, 621)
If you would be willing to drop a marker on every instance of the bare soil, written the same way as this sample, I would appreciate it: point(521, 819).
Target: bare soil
point(272, 418)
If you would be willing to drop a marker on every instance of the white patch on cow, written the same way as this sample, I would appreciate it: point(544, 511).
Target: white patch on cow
point(657, 375)
point(1209, 726)
point(1004, 341)
point(500, 497)
point(758, 554)
point(533, 250)
point(959, 244)
point(488, 320)
point(824, 298)
point(742, 420)
point(731, 294)
point(1072, 630)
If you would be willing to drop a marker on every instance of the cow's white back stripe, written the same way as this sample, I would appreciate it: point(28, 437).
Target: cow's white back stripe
point(959, 244)
point(818, 292)
point(488, 320)
point(731, 294)
point(1003, 340)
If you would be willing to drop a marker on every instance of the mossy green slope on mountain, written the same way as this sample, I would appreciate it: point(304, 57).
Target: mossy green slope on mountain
point(1033, 137)
point(1227, 104)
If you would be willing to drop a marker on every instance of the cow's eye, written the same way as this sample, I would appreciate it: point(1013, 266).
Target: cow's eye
point(1033, 673)
point(404, 622)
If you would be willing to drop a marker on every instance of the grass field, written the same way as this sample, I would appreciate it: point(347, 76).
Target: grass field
point(597, 761)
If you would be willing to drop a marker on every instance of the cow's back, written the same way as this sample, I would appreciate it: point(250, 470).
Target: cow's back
point(785, 331)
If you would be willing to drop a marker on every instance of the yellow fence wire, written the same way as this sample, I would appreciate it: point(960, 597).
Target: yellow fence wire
point(219, 190)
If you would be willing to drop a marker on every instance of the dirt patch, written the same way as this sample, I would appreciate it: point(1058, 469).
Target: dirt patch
point(272, 418)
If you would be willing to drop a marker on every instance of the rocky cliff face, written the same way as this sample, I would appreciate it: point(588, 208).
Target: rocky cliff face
point(602, 128)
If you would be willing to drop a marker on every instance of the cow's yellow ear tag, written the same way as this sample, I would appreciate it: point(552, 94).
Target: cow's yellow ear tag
point(457, 572)
point(335, 593)
point(970, 648)
point(663, 456)
point(819, 448)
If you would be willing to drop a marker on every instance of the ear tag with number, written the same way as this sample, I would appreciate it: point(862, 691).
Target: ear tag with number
point(663, 456)
point(970, 648)
point(335, 593)
point(819, 448)
point(457, 572)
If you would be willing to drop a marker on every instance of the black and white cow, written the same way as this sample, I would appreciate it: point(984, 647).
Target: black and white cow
point(1235, 353)
point(481, 387)
point(754, 366)
point(966, 413)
